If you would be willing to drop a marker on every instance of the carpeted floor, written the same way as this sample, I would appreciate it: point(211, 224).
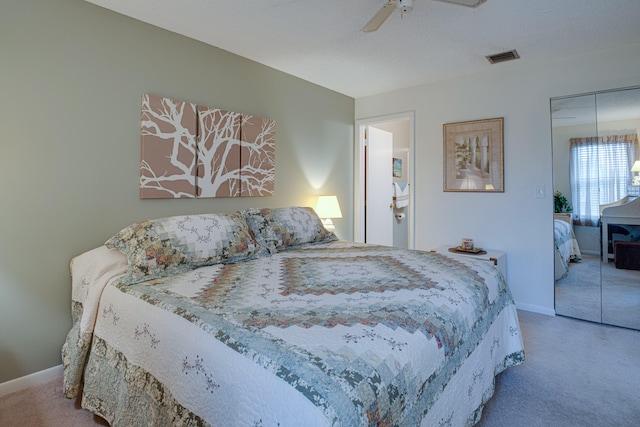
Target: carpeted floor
point(44, 406)
point(576, 373)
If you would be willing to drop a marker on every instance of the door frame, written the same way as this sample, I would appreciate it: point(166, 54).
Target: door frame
point(359, 171)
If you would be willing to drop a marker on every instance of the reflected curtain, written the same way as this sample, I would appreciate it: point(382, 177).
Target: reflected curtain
point(600, 173)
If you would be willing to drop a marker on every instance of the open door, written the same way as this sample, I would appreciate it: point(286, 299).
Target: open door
point(402, 129)
point(378, 187)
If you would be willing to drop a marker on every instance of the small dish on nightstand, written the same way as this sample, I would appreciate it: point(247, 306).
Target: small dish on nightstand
point(474, 251)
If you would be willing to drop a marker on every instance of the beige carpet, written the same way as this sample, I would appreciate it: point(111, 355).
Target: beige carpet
point(44, 406)
point(575, 374)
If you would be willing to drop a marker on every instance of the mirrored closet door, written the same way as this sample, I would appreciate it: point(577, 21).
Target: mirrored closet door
point(596, 163)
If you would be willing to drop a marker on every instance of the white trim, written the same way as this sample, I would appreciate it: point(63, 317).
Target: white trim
point(358, 188)
point(31, 380)
point(536, 309)
point(588, 252)
point(358, 197)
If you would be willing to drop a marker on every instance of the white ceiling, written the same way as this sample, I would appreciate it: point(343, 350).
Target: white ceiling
point(320, 40)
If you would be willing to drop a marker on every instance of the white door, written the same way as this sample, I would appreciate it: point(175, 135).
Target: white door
point(378, 187)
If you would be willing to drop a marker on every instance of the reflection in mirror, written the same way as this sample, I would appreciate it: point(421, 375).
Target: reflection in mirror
point(577, 289)
point(619, 115)
point(595, 146)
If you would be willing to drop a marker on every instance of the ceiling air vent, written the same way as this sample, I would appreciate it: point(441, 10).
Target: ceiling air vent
point(502, 57)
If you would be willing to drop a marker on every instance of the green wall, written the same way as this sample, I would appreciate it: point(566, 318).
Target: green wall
point(71, 80)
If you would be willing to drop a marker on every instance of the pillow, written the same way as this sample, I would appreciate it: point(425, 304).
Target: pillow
point(280, 228)
point(164, 246)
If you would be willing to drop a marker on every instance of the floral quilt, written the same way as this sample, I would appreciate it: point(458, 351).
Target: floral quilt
point(326, 334)
point(566, 247)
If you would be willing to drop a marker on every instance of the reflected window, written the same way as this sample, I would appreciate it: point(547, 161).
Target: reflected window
point(600, 173)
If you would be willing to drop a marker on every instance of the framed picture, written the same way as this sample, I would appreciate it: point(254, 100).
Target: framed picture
point(397, 168)
point(474, 156)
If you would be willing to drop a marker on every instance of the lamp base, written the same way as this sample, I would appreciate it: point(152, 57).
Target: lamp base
point(328, 225)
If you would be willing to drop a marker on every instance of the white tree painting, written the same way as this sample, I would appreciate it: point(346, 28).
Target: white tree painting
point(236, 154)
point(168, 148)
point(195, 151)
point(257, 156)
point(218, 153)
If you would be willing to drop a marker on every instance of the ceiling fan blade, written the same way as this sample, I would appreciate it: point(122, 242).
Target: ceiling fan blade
point(378, 19)
point(468, 3)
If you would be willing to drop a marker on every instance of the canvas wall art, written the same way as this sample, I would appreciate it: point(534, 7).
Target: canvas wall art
point(198, 151)
point(257, 156)
point(168, 148)
point(218, 153)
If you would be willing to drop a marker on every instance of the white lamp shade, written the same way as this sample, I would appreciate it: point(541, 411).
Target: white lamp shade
point(636, 166)
point(328, 207)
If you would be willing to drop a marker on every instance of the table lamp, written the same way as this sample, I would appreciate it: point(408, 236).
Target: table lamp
point(636, 168)
point(328, 208)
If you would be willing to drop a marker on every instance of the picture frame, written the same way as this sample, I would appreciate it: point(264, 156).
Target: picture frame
point(474, 156)
point(397, 168)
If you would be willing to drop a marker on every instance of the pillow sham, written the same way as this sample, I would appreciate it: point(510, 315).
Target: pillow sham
point(280, 228)
point(164, 246)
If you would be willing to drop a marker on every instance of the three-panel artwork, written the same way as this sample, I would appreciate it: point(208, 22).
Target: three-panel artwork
point(190, 151)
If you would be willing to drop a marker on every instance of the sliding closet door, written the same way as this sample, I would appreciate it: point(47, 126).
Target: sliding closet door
point(619, 126)
point(595, 148)
point(574, 128)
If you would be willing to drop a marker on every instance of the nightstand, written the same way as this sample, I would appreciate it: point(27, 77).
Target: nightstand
point(499, 259)
point(564, 216)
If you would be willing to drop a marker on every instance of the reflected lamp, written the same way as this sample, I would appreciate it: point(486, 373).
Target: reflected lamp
point(328, 208)
point(636, 168)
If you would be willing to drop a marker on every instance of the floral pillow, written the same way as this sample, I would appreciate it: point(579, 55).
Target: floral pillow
point(280, 228)
point(164, 246)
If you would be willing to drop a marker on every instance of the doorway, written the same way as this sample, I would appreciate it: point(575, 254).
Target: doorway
point(401, 167)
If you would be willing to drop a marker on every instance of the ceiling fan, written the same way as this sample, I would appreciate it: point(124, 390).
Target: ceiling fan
point(406, 6)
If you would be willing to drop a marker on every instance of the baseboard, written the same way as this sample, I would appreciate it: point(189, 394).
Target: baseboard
point(30, 380)
point(586, 252)
point(536, 309)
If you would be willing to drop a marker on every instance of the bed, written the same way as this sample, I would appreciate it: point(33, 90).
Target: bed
point(566, 248)
point(263, 318)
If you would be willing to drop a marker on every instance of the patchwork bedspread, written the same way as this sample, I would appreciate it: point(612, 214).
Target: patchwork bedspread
point(331, 334)
point(565, 246)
